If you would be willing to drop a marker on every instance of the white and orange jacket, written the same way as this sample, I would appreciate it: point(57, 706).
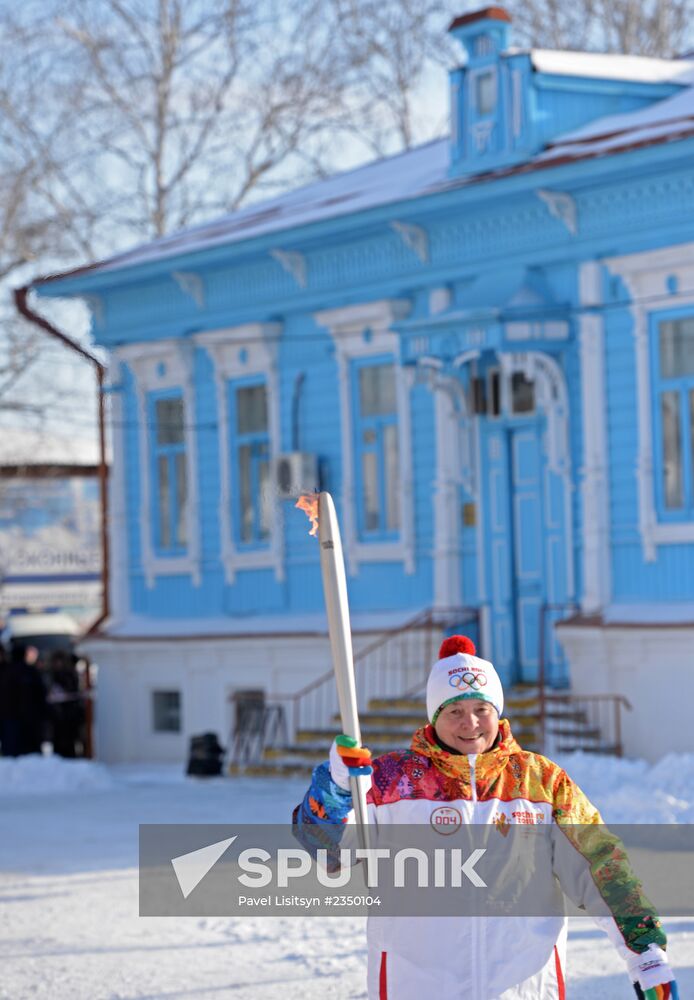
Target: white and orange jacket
point(489, 958)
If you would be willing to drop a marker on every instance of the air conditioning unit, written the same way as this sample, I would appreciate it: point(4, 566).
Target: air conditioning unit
point(296, 472)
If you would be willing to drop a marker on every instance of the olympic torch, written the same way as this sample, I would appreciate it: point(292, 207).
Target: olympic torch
point(335, 591)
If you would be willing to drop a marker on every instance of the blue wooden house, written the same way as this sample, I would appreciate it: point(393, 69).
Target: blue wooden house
point(483, 348)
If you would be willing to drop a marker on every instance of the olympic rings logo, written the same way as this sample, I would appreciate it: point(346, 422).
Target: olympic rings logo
point(468, 679)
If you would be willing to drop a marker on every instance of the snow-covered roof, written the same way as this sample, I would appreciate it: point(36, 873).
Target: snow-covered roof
point(608, 66)
point(669, 119)
point(394, 178)
point(140, 627)
point(424, 170)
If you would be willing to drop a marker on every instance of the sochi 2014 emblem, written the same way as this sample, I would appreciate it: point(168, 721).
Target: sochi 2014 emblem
point(446, 819)
point(469, 679)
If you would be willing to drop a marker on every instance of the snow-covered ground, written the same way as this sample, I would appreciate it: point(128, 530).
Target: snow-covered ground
point(70, 930)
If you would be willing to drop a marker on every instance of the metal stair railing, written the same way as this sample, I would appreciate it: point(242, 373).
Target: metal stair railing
point(577, 720)
point(383, 669)
point(545, 610)
point(600, 713)
point(264, 726)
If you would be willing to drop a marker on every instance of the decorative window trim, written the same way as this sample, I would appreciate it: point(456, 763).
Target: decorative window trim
point(375, 424)
point(241, 352)
point(166, 364)
point(597, 571)
point(646, 277)
point(347, 327)
point(685, 514)
point(119, 596)
point(456, 467)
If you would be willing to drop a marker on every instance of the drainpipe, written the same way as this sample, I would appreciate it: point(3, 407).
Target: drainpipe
point(20, 300)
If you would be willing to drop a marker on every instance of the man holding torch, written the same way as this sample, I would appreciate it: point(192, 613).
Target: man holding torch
point(466, 758)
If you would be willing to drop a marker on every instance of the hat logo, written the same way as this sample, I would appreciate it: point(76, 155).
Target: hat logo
point(474, 681)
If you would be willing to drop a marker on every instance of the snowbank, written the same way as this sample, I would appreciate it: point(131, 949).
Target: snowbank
point(633, 791)
point(625, 791)
point(35, 774)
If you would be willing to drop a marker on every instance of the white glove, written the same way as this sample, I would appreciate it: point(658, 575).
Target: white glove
point(650, 968)
point(348, 759)
point(339, 771)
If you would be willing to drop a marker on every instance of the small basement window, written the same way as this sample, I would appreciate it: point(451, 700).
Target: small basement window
point(166, 711)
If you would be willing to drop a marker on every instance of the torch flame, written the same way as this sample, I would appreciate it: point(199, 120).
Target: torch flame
point(308, 502)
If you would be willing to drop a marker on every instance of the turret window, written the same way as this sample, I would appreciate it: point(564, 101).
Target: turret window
point(485, 92)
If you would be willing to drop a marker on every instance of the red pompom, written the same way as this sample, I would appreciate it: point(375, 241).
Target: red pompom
point(456, 644)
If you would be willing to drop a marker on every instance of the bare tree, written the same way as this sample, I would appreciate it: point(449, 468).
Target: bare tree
point(36, 226)
point(186, 108)
point(650, 28)
point(391, 45)
point(632, 27)
point(128, 119)
point(156, 114)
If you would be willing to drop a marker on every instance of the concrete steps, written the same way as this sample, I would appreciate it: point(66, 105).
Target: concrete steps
point(387, 724)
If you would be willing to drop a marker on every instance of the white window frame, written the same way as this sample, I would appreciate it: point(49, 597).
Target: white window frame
point(646, 275)
point(596, 548)
point(119, 594)
point(347, 327)
point(241, 352)
point(165, 364)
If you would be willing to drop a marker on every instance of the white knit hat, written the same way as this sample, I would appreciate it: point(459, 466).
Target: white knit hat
point(458, 674)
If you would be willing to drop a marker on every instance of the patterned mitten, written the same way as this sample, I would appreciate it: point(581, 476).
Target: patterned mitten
point(665, 991)
point(348, 759)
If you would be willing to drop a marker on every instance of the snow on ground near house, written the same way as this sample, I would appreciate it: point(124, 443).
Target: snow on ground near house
point(68, 889)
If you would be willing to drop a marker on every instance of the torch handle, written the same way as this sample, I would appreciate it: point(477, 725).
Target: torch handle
point(337, 608)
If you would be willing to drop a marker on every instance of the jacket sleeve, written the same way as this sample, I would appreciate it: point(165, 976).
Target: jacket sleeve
point(325, 801)
point(321, 817)
point(594, 871)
